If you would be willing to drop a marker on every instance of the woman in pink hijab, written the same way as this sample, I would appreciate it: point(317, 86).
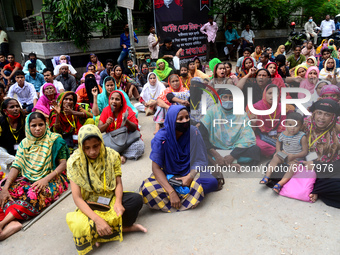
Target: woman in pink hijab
point(45, 102)
point(312, 77)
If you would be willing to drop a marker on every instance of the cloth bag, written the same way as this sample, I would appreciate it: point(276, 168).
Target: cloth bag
point(300, 185)
point(120, 139)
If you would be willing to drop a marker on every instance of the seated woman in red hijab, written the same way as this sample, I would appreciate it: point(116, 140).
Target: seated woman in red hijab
point(116, 115)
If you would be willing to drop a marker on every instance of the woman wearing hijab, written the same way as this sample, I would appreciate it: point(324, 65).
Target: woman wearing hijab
point(333, 49)
point(118, 114)
point(330, 92)
point(330, 72)
point(102, 100)
point(257, 53)
point(236, 140)
point(85, 94)
point(104, 210)
point(95, 61)
point(46, 101)
point(12, 125)
point(311, 78)
point(40, 163)
point(163, 104)
point(124, 82)
point(177, 150)
point(198, 64)
point(267, 133)
point(151, 91)
point(323, 132)
point(194, 72)
point(309, 50)
point(219, 75)
point(247, 64)
point(163, 71)
point(67, 117)
point(280, 50)
point(197, 91)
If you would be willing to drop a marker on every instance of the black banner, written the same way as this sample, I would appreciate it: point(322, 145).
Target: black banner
point(181, 20)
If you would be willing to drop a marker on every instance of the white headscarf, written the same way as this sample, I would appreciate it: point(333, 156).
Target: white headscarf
point(152, 92)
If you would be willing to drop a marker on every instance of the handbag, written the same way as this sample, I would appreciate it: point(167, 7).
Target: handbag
point(98, 207)
point(120, 139)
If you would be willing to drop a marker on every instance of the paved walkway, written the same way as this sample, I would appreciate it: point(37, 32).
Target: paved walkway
point(243, 218)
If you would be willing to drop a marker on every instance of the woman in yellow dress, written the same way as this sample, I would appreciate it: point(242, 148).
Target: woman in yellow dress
point(104, 211)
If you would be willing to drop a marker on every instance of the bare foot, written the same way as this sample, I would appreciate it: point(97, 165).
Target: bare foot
point(123, 159)
point(135, 228)
point(10, 229)
point(97, 244)
point(313, 197)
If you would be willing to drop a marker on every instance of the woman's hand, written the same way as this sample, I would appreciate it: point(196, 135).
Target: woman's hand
point(228, 159)
point(39, 185)
point(94, 92)
point(103, 228)
point(4, 196)
point(125, 116)
point(186, 180)
point(119, 209)
point(109, 120)
point(252, 71)
point(68, 111)
point(219, 160)
point(56, 107)
point(174, 200)
point(185, 103)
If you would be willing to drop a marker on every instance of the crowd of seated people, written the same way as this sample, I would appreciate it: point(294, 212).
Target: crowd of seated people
point(63, 132)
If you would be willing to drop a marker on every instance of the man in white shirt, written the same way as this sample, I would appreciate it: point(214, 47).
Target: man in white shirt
point(210, 29)
point(25, 92)
point(48, 77)
point(327, 27)
point(153, 43)
point(248, 36)
point(309, 28)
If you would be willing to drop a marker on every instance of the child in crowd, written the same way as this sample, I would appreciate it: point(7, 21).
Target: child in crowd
point(183, 72)
point(291, 146)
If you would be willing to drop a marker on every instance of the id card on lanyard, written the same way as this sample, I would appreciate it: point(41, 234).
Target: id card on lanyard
point(106, 199)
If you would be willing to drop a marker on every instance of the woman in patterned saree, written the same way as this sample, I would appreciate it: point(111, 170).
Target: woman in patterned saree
point(36, 178)
point(95, 176)
point(177, 150)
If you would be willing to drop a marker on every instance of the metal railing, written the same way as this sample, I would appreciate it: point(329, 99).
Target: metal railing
point(37, 30)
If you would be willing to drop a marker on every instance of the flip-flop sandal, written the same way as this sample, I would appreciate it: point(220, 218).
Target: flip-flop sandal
point(264, 180)
point(277, 188)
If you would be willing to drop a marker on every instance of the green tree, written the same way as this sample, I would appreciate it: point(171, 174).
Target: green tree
point(76, 20)
point(319, 8)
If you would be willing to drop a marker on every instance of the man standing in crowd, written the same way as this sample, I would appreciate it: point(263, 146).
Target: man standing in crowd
point(153, 43)
point(4, 46)
point(309, 28)
point(248, 38)
point(32, 59)
point(210, 29)
point(327, 27)
point(233, 41)
point(125, 44)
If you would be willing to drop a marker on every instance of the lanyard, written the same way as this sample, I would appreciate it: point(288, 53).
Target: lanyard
point(10, 128)
point(72, 125)
point(185, 83)
point(274, 116)
point(152, 96)
point(133, 72)
point(118, 84)
point(194, 106)
point(310, 137)
point(104, 183)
